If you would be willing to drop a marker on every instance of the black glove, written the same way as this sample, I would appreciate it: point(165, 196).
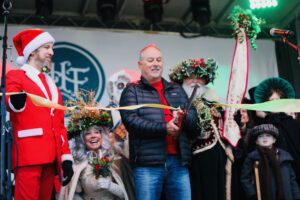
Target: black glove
point(18, 100)
point(67, 171)
point(237, 117)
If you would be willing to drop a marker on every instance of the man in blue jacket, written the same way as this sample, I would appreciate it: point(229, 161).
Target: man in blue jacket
point(158, 147)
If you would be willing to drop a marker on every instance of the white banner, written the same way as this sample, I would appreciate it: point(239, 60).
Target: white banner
point(237, 87)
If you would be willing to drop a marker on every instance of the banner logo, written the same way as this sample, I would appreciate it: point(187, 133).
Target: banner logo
point(76, 68)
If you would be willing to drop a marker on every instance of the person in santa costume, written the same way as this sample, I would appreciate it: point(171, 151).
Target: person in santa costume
point(40, 150)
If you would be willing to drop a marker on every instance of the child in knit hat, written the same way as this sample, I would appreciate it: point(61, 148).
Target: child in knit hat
point(277, 178)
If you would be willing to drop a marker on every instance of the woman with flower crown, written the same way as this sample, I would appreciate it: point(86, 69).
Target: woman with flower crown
point(96, 174)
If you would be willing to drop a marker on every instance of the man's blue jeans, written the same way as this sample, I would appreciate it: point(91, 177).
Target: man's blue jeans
point(172, 177)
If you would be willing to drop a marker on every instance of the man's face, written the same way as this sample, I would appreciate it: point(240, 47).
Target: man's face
point(43, 55)
point(151, 64)
point(265, 140)
point(190, 83)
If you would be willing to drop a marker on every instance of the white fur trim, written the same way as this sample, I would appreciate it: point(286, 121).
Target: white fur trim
point(67, 157)
point(21, 60)
point(30, 132)
point(38, 41)
point(32, 73)
point(13, 108)
point(53, 90)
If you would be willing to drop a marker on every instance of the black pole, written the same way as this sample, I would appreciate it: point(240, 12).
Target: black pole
point(8, 141)
point(5, 183)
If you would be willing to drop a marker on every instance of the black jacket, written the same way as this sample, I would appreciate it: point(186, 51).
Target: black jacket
point(147, 127)
point(289, 136)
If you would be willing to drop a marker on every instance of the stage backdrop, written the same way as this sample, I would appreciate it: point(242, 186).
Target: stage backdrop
point(85, 58)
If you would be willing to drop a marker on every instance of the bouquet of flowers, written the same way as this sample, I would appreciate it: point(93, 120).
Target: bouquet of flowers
point(101, 166)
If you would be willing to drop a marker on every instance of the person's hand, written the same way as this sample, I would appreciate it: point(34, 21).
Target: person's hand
point(261, 114)
point(104, 182)
point(172, 128)
point(18, 100)
point(68, 172)
point(292, 114)
point(178, 117)
point(107, 184)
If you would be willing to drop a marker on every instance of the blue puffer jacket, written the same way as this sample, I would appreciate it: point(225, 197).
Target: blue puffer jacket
point(147, 127)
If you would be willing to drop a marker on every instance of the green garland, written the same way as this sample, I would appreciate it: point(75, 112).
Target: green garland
point(206, 111)
point(241, 18)
point(203, 112)
point(201, 68)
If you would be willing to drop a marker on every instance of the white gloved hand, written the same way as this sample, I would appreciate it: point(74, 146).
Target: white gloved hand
point(104, 182)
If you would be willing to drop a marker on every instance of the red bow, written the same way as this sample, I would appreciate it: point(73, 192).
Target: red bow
point(199, 62)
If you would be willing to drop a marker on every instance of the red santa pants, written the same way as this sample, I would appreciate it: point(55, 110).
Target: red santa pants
point(34, 182)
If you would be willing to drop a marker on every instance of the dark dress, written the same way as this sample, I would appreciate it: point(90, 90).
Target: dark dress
point(208, 174)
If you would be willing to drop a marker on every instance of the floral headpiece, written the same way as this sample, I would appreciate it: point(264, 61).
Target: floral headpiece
point(241, 18)
point(200, 68)
point(82, 119)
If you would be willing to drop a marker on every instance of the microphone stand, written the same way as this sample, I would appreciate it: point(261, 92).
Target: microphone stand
point(285, 40)
point(5, 176)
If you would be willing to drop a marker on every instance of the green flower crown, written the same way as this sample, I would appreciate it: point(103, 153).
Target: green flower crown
point(241, 18)
point(82, 119)
point(201, 68)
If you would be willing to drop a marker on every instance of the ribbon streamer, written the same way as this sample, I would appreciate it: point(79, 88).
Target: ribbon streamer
point(280, 105)
point(40, 101)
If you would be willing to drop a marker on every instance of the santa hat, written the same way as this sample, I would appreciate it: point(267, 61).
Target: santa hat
point(29, 40)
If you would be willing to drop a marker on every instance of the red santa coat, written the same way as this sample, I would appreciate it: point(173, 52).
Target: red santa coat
point(40, 134)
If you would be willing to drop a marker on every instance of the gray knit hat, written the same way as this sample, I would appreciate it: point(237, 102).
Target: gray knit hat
point(264, 128)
